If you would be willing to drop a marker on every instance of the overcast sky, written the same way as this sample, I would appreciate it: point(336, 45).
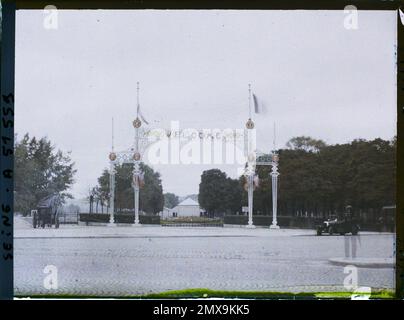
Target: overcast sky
point(316, 78)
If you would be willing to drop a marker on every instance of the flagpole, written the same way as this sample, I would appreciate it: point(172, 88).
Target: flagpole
point(274, 177)
point(137, 98)
point(250, 164)
point(112, 158)
point(136, 163)
point(249, 100)
point(112, 134)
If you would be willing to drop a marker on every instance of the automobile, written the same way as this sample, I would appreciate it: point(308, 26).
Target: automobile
point(47, 212)
point(341, 226)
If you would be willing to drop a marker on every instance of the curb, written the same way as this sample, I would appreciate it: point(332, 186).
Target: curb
point(364, 262)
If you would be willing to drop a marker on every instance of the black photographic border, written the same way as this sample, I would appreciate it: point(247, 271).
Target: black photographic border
point(9, 8)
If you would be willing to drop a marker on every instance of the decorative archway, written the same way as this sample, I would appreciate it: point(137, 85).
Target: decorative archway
point(142, 140)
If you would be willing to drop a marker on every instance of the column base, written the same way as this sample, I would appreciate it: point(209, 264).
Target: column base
point(274, 226)
point(250, 226)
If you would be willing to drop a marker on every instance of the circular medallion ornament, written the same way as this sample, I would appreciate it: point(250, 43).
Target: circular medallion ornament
point(251, 157)
point(136, 156)
point(275, 158)
point(137, 123)
point(249, 124)
point(112, 156)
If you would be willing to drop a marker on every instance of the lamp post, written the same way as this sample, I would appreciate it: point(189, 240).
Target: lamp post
point(251, 161)
point(137, 173)
point(112, 158)
point(250, 186)
point(136, 187)
point(132, 156)
point(250, 170)
point(274, 175)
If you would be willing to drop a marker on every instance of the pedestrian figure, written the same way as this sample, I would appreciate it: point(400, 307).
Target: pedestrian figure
point(350, 241)
point(91, 203)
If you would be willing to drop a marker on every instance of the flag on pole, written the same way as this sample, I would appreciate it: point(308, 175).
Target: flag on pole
point(259, 106)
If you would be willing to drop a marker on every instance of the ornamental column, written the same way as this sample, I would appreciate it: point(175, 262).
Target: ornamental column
point(274, 175)
point(136, 187)
point(112, 158)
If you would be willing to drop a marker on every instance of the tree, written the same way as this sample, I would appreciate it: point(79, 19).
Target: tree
point(263, 194)
point(40, 170)
point(219, 194)
point(151, 198)
point(233, 199)
point(305, 143)
point(170, 200)
point(361, 173)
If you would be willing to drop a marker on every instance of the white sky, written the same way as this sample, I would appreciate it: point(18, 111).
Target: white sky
point(316, 78)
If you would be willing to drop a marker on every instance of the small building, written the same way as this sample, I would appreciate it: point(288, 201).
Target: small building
point(166, 213)
point(187, 208)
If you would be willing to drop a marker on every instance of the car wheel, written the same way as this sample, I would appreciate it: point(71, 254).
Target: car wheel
point(319, 233)
point(330, 231)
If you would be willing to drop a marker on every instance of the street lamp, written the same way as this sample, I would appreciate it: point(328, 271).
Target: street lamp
point(274, 175)
point(137, 176)
point(112, 158)
point(132, 156)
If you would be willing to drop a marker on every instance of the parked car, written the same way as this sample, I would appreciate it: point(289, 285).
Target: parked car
point(343, 225)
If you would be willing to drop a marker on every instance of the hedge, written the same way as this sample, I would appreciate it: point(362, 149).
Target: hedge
point(241, 220)
point(118, 218)
point(283, 221)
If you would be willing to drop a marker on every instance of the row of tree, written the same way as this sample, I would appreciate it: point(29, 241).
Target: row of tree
point(151, 199)
point(219, 194)
point(314, 178)
point(41, 170)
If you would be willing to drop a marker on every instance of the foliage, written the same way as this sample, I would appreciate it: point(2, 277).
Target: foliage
point(305, 143)
point(314, 178)
point(170, 200)
point(151, 198)
point(361, 173)
point(40, 170)
point(218, 193)
point(208, 293)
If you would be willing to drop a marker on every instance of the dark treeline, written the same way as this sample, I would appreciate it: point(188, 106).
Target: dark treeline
point(151, 197)
point(322, 179)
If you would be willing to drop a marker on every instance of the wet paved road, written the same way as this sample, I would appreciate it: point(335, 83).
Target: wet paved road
point(128, 261)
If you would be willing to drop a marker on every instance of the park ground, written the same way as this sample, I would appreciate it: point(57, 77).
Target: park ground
point(147, 260)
